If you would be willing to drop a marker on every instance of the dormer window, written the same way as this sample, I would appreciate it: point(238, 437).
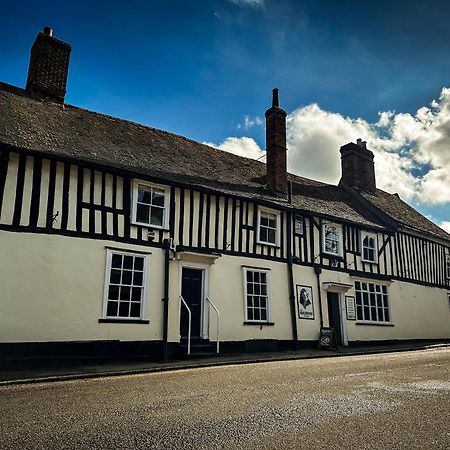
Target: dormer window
point(268, 227)
point(369, 247)
point(150, 205)
point(332, 239)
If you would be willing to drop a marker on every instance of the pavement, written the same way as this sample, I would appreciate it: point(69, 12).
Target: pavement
point(73, 371)
point(393, 400)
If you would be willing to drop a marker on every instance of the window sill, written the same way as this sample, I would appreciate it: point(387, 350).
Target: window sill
point(332, 256)
point(377, 324)
point(150, 226)
point(268, 244)
point(259, 323)
point(124, 321)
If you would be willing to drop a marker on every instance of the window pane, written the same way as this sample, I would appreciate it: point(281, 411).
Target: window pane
point(157, 217)
point(116, 261)
point(137, 278)
point(124, 309)
point(357, 285)
point(386, 315)
point(113, 293)
point(256, 302)
point(135, 310)
point(144, 194)
point(256, 276)
point(125, 293)
point(263, 289)
point(256, 314)
point(263, 234)
point(263, 314)
point(359, 314)
point(263, 277)
point(127, 262)
point(158, 198)
point(249, 288)
point(126, 277)
point(136, 294)
point(272, 236)
point(249, 275)
point(142, 213)
point(115, 276)
point(249, 314)
point(263, 302)
point(264, 220)
point(111, 309)
point(138, 263)
point(273, 222)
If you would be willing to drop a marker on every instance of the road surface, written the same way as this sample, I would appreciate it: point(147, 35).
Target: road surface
point(394, 400)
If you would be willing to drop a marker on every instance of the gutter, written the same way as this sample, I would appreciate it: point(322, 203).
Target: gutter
point(166, 299)
point(291, 273)
point(318, 271)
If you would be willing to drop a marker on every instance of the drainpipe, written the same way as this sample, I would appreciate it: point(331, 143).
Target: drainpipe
point(290, 271)
point(166, 299)
point(318, 271)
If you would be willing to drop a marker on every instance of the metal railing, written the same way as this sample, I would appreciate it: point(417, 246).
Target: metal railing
point(218, 322)
point(182, 301)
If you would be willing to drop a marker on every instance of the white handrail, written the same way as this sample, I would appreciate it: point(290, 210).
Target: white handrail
point(189, 324)
point(218, 322)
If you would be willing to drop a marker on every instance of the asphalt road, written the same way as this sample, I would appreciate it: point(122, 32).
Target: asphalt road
point(395, 400)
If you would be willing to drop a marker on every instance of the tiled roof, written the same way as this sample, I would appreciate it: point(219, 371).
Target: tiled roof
point(79, 134)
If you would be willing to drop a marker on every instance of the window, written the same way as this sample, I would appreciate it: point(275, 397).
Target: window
point(332, 239)
point(298, 225)
point(125, 285)
point(257, 295)
point(372, 302)
point(447, 266)
point(150, 205)
point(268, 227)
point(369, 247)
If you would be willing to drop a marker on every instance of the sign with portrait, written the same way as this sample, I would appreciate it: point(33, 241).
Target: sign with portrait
point(350, 308)
point(305, 302)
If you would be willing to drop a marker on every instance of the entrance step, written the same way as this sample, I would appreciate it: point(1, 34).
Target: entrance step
point(199, 347)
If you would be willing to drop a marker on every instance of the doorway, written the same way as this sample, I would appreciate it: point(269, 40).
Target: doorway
point(192, 292)
point(334, 315)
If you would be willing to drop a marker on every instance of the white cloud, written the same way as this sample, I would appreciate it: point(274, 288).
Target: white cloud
point(249, 3)
point(445, 225)
point(242, 146)
point(412, 152)
point(249, 122)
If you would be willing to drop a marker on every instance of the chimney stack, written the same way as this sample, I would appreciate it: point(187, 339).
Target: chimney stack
point(358, 170)
point(276, 145)
point(49, 66)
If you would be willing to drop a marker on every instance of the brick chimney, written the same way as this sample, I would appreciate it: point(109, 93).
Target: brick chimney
point(276, 145)
point(358, 170)
point(49, 66)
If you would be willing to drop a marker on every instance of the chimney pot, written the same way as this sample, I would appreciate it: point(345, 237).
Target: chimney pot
point(275, 97)
point(48, 31)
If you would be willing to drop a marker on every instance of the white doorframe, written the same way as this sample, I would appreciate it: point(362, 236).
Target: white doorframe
point(204, 309)
point(343, 313)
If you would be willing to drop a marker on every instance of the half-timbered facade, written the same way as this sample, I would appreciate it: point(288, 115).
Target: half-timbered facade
point(116, 238)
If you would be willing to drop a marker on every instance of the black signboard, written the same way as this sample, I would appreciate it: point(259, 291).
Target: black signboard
point(327, 338)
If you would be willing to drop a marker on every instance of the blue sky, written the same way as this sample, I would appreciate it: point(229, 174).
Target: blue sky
point(198, 68)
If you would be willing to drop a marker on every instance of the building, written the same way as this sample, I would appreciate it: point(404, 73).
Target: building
point(112, 234)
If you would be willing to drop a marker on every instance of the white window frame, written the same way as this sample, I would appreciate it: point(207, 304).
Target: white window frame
point(447, 266)
point(166, 189)
point(109, 254)
point(381, 285)
point(269, 294)
point(340, 240)
point(375, 249)
point(277, 232)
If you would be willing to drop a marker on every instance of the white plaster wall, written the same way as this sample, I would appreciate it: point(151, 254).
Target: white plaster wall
point(417, 312)
point(226, 290)
point(51, 289)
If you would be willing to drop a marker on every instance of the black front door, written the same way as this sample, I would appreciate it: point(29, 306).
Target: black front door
point(191, 290)
point(334, 315)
